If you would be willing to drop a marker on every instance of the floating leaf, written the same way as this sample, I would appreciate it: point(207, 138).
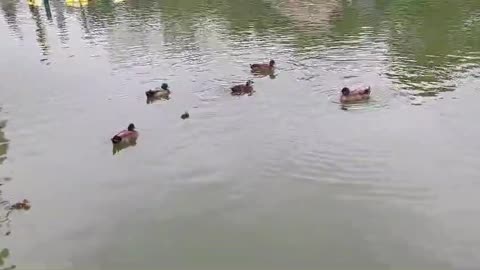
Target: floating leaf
point(4, 253)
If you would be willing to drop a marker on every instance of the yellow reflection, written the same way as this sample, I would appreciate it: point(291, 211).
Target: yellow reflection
point(76, 3)
point(35, 3)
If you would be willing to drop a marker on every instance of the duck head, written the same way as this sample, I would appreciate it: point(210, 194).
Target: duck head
point(272, 63)
point(249, 83)
point(185, 115)
point(131, 127)
point(345, 91)
point(164, 86)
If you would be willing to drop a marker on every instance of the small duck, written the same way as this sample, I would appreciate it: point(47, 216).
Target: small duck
point(263, 68)
point(159, 93)
point(357, 94)
point(242, 89)
point(23, 205)
point(185, 115)
point(126, 136)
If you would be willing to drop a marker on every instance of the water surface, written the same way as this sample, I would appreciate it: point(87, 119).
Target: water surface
point(284, 179)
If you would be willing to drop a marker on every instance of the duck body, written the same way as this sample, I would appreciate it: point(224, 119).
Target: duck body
point(354, 95)
point(23, 205)
point(129, 135)
point(158, 93)
point(263, 68)
point(242, 89)
point(162, 92)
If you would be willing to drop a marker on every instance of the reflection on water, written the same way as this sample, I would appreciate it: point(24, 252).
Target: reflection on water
point(76, 3)
point(116, 148)
point(5, 211)
point(287, 178)
point(3, 141)
point(422, 57)
point(34, 7)
point(4, 254)
point(9, 9)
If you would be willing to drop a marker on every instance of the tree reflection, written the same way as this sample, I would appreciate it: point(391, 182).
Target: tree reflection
point(430, 42)
point(9, 8)
point(3, 142)
point(59, 10)
point(34, 7)
point(5, 209)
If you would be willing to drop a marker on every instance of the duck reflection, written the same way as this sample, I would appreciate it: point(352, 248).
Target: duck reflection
point(4, 254)
point(270, 74)
point(123, 145)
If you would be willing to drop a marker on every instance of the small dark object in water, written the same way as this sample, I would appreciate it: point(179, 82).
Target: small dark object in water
point(23, 205)
point(8, 233)
point(185, 115)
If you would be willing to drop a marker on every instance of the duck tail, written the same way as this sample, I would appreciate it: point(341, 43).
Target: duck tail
point(116, 139)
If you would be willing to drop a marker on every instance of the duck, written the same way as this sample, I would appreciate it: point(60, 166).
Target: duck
point(357, 94)
point(23, 205)
point(242, 89)
point(159, 93)
point(262, 68)
point(126, 136)
point(185, 115)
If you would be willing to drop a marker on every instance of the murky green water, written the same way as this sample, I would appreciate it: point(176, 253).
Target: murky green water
point(283, 179)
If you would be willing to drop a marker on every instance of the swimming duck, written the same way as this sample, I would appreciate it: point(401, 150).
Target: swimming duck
point(262, 68)
point(242, 89)
point(23, 205)
point(159, 93)
point(126, 136)
point(185, 115)
point(357, 94)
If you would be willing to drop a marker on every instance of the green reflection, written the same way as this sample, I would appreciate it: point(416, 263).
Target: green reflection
point(432, 41)
point(3, 142)
point(429, 42)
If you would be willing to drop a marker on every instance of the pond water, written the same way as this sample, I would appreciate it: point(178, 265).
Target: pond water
point(284, 179)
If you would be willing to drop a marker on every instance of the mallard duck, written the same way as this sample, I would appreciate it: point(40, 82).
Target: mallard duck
point(126, 136)
point(242, 89)
point(159, 93)
point(263, 68)
point(357, 94)
point(185, 115)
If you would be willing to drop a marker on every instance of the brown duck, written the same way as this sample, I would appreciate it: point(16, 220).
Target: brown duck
point(242, 89)
point(263, 67)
